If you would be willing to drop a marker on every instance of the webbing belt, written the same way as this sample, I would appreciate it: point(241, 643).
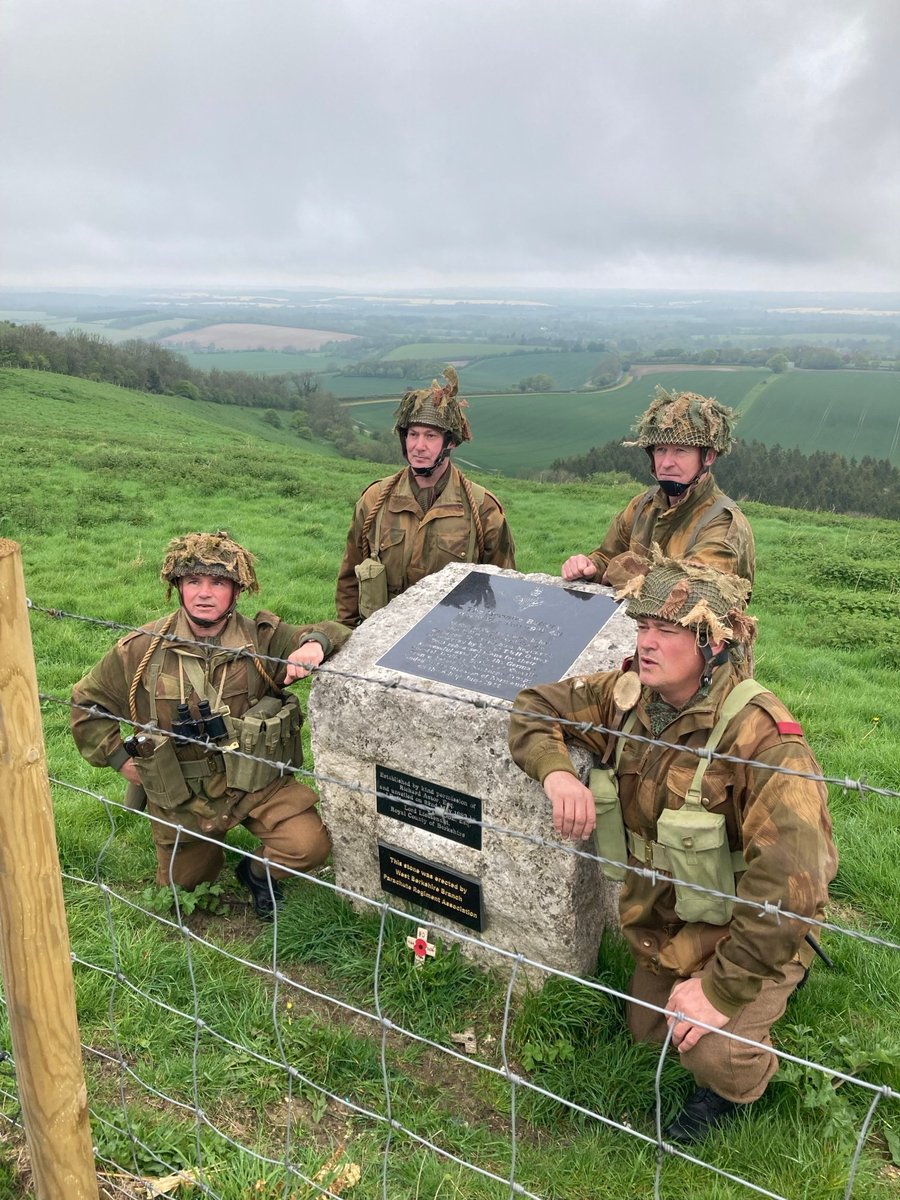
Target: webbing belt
point(656, 857)
point(202, 767)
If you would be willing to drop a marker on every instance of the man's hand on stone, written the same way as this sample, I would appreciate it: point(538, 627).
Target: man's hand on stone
point(303, 660)
point(574, 811)
point(579, 566)
point(689, 998)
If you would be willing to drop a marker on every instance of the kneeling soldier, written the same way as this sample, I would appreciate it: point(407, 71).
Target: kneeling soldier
point(199, 675)
point(735, 828)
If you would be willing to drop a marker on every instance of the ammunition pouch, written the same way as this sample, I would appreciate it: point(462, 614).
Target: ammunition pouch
point(609, 834)
point(696, 843)
point(161, 775)
point(269, 730)
point(373, 591)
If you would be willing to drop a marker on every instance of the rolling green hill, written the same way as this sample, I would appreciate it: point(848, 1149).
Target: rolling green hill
point(96, 480)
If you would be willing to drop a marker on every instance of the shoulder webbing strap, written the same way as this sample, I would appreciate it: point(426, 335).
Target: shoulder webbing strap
point(721, 505)
point(627, 726)
point(642, 504)
point(738, 698)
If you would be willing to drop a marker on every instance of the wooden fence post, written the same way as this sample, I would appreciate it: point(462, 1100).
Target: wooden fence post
point(34, 937)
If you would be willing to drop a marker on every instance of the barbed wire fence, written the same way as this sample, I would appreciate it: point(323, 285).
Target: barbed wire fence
point(191, 1005)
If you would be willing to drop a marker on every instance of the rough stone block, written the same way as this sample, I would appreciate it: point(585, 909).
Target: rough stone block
point(539, 900)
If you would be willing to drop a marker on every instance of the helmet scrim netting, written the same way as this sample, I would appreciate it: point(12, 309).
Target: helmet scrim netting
point(213, 554)
point(685, 419)
point(691, 594)
point(437, 406)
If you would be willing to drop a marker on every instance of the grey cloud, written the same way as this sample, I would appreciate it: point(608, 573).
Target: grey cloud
point(639, 141)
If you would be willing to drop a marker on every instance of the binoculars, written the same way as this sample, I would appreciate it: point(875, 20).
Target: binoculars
point(211, 726)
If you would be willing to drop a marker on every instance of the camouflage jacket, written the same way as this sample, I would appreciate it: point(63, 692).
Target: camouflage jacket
point(725, 542)
point(413, 544)
point(780, 822)
point(165, 680)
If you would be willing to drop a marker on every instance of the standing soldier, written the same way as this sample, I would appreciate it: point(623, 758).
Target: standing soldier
point(426, 516)
point(740, 828)
point(202, 676)
point(686, 514)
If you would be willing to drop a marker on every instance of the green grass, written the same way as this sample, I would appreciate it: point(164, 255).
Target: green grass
point(95, 481)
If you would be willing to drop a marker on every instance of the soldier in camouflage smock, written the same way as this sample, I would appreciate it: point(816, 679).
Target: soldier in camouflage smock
point(686, 514)
point(422, 518)
point(768, 834)
point(202, 672)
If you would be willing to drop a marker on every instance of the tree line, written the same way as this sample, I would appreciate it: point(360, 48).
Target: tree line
point(787, 478)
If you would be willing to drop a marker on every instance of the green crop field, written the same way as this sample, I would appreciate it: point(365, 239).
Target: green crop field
point(260, 362)
point(450, 351)
point(95, 481)
point(854, 413)
point(849, 412)
point(569, 370)
point(353, 387)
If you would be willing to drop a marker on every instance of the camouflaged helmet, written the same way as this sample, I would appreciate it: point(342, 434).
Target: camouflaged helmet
point(437, 406)
point(208, 554)
point(691, 594)
point(684, 419)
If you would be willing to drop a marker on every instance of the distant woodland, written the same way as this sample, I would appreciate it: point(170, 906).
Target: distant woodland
point(769, 474)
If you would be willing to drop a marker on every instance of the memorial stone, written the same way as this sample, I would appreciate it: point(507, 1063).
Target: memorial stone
point(430, 813)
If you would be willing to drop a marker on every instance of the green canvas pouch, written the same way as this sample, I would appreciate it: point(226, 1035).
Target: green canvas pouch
point(696, 842)
point(373, 592)
point(609, 834)
point(161, 776)
point(269, 730)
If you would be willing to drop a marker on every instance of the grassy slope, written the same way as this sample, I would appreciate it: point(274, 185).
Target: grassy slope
point(97, 479)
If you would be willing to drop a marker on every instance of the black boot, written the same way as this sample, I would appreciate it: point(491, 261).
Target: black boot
point(702, 1112)
point(266, 892)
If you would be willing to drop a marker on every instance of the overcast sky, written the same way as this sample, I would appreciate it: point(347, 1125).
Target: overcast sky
point(398, 143)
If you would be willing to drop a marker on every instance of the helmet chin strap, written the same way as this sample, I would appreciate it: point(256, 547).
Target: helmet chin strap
point(711, 661)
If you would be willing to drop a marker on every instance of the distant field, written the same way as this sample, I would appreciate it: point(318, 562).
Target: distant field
point(569, 369)
point(854, 413)
point(261, 362)
point(63, 324)
point(245, 336)
point(530, 431)
point(449, 351)
point(851, 412)
point(349, 387)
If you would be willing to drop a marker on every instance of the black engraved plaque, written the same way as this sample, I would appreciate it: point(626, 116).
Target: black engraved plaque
point(431, 886)
point(496, 635)
point(416, 801)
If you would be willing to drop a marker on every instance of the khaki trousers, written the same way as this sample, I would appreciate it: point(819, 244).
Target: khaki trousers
point(737, 1072)
point(286, 822)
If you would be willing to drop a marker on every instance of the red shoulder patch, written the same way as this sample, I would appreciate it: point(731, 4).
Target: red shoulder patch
point(626, 663)
point(789, 727)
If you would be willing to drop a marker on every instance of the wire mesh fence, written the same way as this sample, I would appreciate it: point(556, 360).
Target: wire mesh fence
point(320, 1057)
